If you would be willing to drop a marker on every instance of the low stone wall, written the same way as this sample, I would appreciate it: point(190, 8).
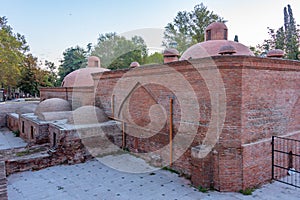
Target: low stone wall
point(32, 130)
point(13, 107)
point(75, 144)
point(13, 121)
point(3, 182)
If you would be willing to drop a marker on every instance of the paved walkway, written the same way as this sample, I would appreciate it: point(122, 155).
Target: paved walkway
point(9, 141)
point(93, 181)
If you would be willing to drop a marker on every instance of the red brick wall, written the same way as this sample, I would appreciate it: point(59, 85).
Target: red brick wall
point(261, 100)
point(270, 107)
point(33, 132)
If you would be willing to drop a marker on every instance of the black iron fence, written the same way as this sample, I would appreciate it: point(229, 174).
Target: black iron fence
point(286, 160)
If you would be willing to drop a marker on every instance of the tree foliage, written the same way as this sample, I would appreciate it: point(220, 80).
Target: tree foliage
point(32, 77)
point(155, 58)
point(285, 38)
point(116, 52)
point(73, 58)
point(188, 28)
point(52, 75)
point(12, 53)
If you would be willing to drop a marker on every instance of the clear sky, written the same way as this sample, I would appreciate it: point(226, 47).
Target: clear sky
point(51, 26)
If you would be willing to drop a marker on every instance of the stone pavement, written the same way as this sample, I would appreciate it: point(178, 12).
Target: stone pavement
point(9, 141)
point(93, 181)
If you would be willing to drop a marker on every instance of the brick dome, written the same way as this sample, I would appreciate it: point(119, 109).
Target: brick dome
point(134, 64)
point(94, 61)
point(26, 109)
point(216, 31)
point(275, 53)
point(212, 48)
point(87, 115)
point(216, 26)
point(81, 77)
point(52, 105)
point(216, 42)
point(171, 52)
point(227, 50)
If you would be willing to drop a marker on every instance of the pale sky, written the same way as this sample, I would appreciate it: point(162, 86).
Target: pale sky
point(51, 26)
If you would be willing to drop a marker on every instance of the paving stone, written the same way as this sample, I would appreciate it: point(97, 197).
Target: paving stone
point(94, 180)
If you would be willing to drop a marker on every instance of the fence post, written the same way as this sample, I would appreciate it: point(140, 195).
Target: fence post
point(272, 157)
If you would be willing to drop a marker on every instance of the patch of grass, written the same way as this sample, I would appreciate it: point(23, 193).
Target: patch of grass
point(126, 149)
point(170, 170)
point(28, 152)
point(23, 153)
point(247, 191)
point(16, 133)
point(202, 189)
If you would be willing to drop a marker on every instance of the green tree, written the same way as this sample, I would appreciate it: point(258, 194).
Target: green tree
point(52, 75)
point(73, 58)
point(292, 35)
point(12, 53)
point(188, 28)
point(156, 58)
point(33, 77)
point(116, 52)
point(28, 82)
point(285, 38)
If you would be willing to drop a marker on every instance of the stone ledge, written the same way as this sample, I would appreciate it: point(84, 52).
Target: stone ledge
point(3, 182)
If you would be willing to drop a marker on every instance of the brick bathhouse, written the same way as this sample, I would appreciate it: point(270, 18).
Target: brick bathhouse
point(219, 102)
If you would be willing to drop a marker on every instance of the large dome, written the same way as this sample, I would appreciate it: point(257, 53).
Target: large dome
point(81, 77)
point(215, 43)
point(212, 48)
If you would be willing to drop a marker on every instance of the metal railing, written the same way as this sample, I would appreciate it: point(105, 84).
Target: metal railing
point(286, 160)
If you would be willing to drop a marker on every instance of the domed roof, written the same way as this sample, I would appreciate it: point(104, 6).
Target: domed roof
point(275, 53)
point(87, 115)
point(81, 77)
point(212, 48)
point(216, 25)
point(93, 61)
point(134, 64)
point(52, 105)
point(227, 49)
point(171, 52)
point(26, 109)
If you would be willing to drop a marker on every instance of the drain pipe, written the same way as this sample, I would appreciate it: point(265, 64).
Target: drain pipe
point(171, 131)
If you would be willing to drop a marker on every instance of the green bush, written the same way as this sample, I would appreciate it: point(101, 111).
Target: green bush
point(16, 133)
point(247, 191)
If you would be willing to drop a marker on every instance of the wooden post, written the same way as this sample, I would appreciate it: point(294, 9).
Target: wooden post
point(113, 105)
point(123, 135)
point(171, 131)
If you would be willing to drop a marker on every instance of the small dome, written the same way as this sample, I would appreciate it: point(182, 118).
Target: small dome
point(94, 61)
point(216, 26)
point(171, 52)
point(52, 105)
point(134, 64)
point(227, 49)
point(26, 109)
point(212, 48)
point(81, 77)
point(52, 116)
point(87, 115)
point(275, 53)
point(216, 31)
